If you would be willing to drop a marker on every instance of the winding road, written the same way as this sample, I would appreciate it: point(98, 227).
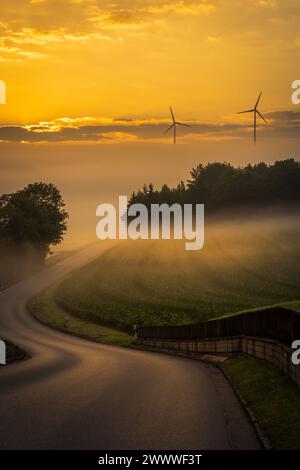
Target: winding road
point(76, 394)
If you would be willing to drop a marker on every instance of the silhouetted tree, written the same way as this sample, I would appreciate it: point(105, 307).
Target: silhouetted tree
point(33, 216)
point(220, 185)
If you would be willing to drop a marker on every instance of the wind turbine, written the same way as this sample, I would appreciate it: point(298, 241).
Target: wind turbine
point(255, 113)
point(174, 124)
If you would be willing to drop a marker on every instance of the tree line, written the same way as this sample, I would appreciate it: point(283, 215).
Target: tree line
point(221, 186)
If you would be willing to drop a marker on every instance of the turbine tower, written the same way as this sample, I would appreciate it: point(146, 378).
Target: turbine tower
point(174, 124)
point(255, 113)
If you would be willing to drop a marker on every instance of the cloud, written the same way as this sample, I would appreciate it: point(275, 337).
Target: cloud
point(214, 39)
point(267, 3)
point(9, 53)
point(40, 37)
point(124, 17)
point(89, 129)
point(30, 43)
point(284, 117)
point(41, 24)
point(136, 13)
point(183, 6)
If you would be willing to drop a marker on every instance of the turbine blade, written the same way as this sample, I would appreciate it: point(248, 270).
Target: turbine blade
point(174, 133)
point(257, 100)
point(169, 128)
point(262, 117)
point(172, 113)
point(247, 111)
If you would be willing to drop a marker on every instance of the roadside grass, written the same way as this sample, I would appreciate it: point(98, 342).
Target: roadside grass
point(294, 305)
point(44, 308)
point(273, 398)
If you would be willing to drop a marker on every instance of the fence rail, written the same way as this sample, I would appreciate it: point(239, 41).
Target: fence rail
point(275, 323)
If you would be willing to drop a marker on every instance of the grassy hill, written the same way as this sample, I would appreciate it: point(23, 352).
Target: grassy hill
point(245, 264)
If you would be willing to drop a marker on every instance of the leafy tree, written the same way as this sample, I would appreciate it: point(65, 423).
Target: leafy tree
point(212, 183)
point(33, 216)
point(220, 185)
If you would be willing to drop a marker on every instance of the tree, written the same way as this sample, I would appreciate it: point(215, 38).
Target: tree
point(220, 185)
point(33, 216)
point(212, 183)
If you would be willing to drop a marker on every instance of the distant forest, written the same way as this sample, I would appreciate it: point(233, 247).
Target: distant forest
point(221, 185)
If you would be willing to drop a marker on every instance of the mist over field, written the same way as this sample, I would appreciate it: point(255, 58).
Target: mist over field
point(247, 262)
point(16, 264)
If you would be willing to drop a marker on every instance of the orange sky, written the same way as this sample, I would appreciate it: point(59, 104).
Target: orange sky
point(89, 84)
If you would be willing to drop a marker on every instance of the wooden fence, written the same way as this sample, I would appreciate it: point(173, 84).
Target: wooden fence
point(276, 323)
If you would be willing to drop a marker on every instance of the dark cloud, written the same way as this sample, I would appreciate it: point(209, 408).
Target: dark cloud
point(151, 130)
point(125, 17)
point(284, 116)
point(282, 123)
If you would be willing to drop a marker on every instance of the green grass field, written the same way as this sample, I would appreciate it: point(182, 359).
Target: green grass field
point(244, 265)
point(44, 308)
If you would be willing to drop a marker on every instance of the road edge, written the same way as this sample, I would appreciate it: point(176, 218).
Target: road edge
point(264, 441)
point(259, 432)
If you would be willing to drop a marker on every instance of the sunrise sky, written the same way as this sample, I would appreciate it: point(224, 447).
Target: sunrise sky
point(89, 85)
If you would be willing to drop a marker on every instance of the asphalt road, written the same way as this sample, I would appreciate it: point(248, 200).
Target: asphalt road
point(75, 394)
